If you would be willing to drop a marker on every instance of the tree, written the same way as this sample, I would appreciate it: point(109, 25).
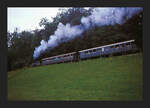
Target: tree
point(134, 29)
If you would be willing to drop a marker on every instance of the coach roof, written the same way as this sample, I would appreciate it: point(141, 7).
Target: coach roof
point(107, 45)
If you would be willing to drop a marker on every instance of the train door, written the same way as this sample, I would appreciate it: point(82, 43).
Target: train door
point(101, 50)
point(111, 49)
point(95, 52)
point(98, 52)
point(117, 48)
point(76, 56)
point(107, 50)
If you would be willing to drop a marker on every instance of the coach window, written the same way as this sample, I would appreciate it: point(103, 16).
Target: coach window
point(112, 47)
point(98, 49)
point(94, 50)
point(117, 46)
point(106, 48)
point(132, 42)
point(123, 45)
point(127, 44)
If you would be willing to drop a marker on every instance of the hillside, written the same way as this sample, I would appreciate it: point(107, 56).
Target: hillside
point(113, 78)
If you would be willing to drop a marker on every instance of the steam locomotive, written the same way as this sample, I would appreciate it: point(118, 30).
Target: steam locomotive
point(111, 49)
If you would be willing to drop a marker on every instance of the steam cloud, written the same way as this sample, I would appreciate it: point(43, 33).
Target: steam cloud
point(99, 17)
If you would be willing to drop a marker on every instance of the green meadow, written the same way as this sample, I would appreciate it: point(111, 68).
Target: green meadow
point(117, 78)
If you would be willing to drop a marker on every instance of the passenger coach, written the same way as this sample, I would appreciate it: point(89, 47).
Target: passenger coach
point(111, 49)
point(120, 47)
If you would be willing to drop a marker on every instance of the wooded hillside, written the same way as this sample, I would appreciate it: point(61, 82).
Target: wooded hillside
point(21, 45)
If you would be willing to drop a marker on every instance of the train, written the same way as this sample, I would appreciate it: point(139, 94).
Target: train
point(101, 51)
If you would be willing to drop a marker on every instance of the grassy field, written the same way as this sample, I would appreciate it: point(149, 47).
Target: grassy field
point(113, 79)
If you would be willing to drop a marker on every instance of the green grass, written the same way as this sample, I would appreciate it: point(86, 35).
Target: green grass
point(113, 79)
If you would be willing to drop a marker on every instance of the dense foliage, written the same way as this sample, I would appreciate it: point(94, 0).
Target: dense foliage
point(21, 45)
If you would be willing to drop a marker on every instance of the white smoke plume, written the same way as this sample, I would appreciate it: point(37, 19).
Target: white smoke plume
point(63, 33)
point(99, 17)
point(109, 16)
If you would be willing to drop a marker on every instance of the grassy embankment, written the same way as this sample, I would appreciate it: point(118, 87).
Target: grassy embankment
point(114, 78)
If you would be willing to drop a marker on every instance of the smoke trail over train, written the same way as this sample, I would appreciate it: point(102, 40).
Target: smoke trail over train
point(99, 17)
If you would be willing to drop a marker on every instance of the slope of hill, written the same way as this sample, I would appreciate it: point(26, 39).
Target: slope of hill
point(113, 78)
